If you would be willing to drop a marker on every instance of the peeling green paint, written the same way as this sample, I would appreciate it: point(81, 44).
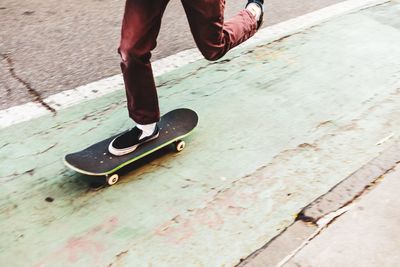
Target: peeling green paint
point(281, 124)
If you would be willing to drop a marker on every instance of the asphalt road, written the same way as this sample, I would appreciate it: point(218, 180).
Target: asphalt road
point(48, 46)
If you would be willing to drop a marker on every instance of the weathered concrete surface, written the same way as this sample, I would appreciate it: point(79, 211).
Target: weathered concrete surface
point(353, 186)
point(367, 235)
point(322, 212)
point(279, 126)
point(281, 246)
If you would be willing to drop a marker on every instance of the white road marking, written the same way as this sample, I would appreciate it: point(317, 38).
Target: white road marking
point(105, 86)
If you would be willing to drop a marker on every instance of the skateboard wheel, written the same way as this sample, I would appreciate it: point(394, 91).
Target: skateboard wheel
point(180, 145)
point(113, 179)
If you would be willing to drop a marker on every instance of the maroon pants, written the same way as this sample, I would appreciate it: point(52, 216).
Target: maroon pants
point(140, 27)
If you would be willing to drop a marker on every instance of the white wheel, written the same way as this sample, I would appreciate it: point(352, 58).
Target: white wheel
point(113, 179)
point(180, 145)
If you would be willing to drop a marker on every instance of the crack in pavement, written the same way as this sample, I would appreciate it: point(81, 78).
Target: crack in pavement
point(386, 162)
point(314, 219)
point(34, 93)
point(370, 186)
point(320, 229)
point(322, 223)
point(326, 221)
point(119, 258)
point(8, 90)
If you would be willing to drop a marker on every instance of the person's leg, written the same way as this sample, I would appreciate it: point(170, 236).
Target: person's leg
point(214, 36)
point(256, 7)
point(140, 28)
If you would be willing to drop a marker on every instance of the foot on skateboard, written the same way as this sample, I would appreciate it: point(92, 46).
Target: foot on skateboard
point(96, 160)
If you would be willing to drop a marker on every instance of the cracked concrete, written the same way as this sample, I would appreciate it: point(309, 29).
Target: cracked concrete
point(232, 194)
point(366, 235)
point(9, 87)
point(352, 187)
point(35, 95)
point(322, 213)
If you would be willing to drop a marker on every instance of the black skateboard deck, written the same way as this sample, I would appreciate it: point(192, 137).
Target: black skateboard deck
point(97, 161)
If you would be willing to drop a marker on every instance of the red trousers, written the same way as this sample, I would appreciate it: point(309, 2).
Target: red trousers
point(140, 28)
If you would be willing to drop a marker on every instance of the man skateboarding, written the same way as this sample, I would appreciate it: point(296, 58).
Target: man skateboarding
point(140, 27)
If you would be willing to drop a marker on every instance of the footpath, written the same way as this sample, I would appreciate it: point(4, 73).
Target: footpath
point(354, 224)
point(281, 124)
point(366, 235)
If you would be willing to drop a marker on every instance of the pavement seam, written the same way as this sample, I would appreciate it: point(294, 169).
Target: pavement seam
point(313, 212)
point(324, 222)
point(388, 160)
point(28, 111)
point(319, 230)
point(32, 91)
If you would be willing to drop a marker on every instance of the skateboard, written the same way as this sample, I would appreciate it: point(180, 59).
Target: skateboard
point(97, 161)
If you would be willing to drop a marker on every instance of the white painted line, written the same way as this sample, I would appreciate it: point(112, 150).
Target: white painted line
point(68, 98)
point(21, 113)
point(105, 86)
point(108, 85)
point(85, 92)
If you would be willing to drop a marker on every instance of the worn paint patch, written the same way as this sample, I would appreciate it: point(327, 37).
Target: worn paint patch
point(272, 136)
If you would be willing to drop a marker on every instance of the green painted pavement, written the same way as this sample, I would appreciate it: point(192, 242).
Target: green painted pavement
point(279, 126)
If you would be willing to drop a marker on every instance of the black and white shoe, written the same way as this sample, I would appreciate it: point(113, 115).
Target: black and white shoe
point(260, 3)
point(127, 142)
